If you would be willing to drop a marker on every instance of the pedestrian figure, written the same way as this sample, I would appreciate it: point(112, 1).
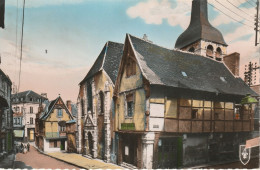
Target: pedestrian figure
point(24, 149)
point(28, 147)
point(21, 147)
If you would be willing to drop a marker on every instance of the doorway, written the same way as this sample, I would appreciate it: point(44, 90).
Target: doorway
point(90, 143)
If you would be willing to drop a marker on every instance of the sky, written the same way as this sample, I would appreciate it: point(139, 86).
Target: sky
point(74, 32)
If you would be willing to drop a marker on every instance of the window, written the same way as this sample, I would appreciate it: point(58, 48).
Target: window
point(209, 51)
point(31, 99)
point(18, 121)
point(31, 120)
point(130, 105)
point(55, 144)
point(130, 67)
point(17, 109)
point(31, 109)
point(101, 100)
point(62, 128)
point(194, 114)
point(15, 121)
point(59, 112)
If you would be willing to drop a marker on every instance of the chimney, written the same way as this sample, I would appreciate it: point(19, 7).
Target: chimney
point(69, 105)
point(145, 38)
point(232, 62)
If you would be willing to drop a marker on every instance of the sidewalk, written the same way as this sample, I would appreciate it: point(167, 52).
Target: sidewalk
point(8, 161)
point(79, 160)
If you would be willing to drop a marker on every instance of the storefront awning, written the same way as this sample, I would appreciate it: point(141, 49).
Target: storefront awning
point(18, 133)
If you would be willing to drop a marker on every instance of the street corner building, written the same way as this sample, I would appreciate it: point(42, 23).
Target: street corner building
point(145, 106)
point(55, 127)
point(25, 106)
point(6, 116)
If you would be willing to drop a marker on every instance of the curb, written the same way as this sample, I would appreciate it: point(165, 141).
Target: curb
point(58, 158)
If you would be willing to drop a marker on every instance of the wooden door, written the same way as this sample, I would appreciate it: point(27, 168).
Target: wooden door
point(168, 155)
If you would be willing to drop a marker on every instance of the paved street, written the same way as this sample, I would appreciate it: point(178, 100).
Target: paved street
point(35, 159)
point(252, 164)
point(84, 162)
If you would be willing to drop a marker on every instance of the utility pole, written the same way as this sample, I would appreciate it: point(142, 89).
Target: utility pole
point(248, 74)
point(256, 23)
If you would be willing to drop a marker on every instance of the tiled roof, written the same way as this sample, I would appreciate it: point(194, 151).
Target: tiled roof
point(179, 69)
point(108, 59)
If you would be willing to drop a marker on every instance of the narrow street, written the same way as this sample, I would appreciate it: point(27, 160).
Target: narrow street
point(252, 164)
point(35, 159)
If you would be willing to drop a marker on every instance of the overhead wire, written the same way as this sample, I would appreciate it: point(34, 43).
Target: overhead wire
point(250, 3)
point(21, 53)
point(229, 16)
point(233, 11)
point(240, 9)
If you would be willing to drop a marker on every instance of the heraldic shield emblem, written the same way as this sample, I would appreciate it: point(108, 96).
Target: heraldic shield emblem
point(244, 154)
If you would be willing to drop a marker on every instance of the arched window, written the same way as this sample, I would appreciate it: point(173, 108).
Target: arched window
point(192, 49)
point(218, 53)
point(101, 104)
point(209, 51)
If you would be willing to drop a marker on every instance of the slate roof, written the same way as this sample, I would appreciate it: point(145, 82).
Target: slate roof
point(74, 110)
point(26, 95)
point(161, 66)
point(199, 27)
point(49, 107)
point(108, 59)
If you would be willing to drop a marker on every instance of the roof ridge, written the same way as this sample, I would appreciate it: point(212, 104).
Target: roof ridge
point(114, 42)
point(175, 49)
point(104, 58)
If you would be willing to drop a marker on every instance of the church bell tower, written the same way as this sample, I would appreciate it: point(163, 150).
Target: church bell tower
point(201, 37)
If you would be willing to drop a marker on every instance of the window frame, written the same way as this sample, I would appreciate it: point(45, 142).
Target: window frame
point(130, 105)
point(31, 109)
point(59, 112)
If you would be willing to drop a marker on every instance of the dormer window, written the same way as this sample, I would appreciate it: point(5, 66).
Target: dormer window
point(209, 51)
point(130, 67)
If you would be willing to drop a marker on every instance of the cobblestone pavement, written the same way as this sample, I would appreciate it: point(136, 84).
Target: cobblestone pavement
point(38, 160)
point(83, 161)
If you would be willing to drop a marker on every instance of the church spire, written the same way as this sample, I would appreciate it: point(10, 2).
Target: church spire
point(199, 29)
